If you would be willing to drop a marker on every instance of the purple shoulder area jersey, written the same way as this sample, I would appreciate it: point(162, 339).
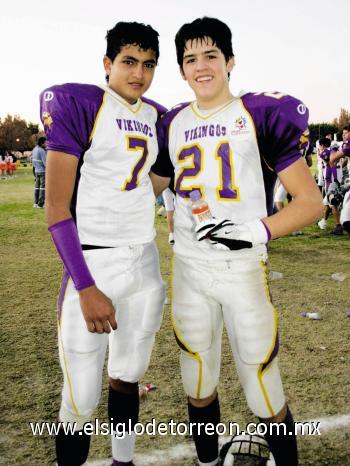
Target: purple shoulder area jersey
point(281, 123)
point(68, 113)
point(164, 166)
point(160, 109)
point(116, 144)
point(325, 154)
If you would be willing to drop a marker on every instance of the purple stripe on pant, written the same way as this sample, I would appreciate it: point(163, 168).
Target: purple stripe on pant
point(273, 354)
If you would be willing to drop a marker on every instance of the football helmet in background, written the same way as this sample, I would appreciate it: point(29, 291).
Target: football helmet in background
point(246, 450)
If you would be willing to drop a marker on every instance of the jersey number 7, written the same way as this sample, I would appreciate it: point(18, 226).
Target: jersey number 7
point(136, 144)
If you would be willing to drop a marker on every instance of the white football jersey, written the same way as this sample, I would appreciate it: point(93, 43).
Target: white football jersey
point(231, 155)
point(116, 144)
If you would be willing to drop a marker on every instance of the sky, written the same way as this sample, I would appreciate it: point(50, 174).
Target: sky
point(298, 47)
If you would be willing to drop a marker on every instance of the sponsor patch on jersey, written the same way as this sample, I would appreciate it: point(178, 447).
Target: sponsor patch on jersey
point(47, 119)
point(240, 126)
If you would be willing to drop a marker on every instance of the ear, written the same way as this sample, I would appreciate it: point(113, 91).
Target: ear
point(107, 63)
point(230, 64)
point(182, 74)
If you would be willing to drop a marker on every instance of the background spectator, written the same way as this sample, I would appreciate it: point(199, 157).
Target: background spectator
point(39, 164)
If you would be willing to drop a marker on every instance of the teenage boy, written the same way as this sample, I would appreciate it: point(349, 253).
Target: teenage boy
point(101, 144)
point(231, 150)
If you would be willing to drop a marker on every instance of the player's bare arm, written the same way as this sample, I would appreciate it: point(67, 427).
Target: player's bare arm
point(306, 206)
point(334, 157)
point(97, 308)
point(159, 183)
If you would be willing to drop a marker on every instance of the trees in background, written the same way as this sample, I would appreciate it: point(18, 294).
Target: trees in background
point(16, 134)
point(343, 119)
point(320, 130)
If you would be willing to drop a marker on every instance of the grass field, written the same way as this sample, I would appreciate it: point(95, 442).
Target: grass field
point(314, 355)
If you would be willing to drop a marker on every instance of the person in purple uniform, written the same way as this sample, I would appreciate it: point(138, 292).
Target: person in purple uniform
point(334, 157)
point(331, 177)
point(228, 151)
point(345, 148)
point(101, 144)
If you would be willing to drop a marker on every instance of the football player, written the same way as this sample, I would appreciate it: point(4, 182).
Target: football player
point(231, 151)
point(332, 174)
point(101, 144)
point(334, 157)
point(345, 148)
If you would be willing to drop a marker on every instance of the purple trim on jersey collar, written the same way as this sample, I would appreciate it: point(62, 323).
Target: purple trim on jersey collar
point(160, 109)
point(63, 289)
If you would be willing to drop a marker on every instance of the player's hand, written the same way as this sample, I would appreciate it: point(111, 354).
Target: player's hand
point(98, 310)
point(224, 234)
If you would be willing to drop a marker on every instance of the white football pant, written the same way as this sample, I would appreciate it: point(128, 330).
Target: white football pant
point(130, 277)
point(345, 212)
point(168, 198)
point(280, 194)
point(233, 293)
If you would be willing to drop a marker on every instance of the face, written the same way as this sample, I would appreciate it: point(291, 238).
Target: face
point(205, 69)
point(346, 134)
point(131, 72)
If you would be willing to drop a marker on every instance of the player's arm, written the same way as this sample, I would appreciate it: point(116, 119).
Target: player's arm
point(334, 157)
point(306, 206)
point(97, 308)
point(159, 183)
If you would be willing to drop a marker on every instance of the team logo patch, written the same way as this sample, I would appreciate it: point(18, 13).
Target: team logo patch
point(240, 126)
point(301, 109)
point(48, 96)
point(304, 140)
point(47, 119)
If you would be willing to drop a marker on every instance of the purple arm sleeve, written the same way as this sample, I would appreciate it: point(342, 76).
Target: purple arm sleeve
point(65, 237)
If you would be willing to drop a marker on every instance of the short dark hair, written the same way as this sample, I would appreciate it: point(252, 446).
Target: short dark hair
point(201, 29)
point(41, 141)
point(346, 128)
point(326, 142)
point(131, 34)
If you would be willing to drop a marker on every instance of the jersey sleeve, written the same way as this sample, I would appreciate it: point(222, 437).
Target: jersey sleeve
point(281, 123)
point(325, 155)
point(68, 113)
point(163, 166)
